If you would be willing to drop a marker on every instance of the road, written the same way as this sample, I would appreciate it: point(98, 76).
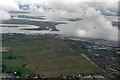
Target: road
point(92, 62)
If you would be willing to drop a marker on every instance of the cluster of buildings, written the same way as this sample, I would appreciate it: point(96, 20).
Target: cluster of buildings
point(81, 77)
point(105, 56)
point(32, 76)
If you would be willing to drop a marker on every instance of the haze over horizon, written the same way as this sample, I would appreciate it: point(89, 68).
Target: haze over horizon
point(93, 14)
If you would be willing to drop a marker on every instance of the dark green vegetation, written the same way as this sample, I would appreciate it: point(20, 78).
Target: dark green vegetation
point(17, 12)
point(14, 63)
point(32, 17)
point(72, 19)
point(45, 55)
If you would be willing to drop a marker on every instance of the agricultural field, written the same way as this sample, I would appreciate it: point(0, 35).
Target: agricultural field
point(45, 55)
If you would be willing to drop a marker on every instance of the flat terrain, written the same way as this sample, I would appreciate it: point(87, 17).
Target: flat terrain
point(45, 55)
point(4, 49)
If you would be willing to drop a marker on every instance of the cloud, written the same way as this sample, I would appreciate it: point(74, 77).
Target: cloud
point(4, 15)
point(5, 6)
point(84, 1)
point(94, 25)
point(107, 6)
point(9, 5)
point(81, 33)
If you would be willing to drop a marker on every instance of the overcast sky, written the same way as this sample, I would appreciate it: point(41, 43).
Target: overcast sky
point(94, 23)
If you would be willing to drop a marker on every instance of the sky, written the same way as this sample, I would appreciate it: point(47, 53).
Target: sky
point(94, 23)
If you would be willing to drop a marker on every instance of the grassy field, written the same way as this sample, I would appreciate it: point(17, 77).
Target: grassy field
point(45, 55)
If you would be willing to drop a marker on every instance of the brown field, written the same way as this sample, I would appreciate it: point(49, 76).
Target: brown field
point(46, 56)
point(4, 49)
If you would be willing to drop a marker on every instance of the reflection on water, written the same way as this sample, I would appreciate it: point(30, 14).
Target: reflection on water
point(18, 30)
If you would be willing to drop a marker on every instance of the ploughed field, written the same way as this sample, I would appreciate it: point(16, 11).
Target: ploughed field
point(44, 55)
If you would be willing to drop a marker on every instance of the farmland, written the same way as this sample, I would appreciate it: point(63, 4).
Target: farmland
point(45, 55)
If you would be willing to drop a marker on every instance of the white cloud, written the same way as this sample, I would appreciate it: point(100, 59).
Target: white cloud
point(81, 33)
point(4, 15)
point(84, 1)
point(9, 5)
point(94, 25)
point(68, 5)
